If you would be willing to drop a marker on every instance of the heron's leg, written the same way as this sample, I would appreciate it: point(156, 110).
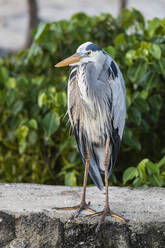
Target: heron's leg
point(106, 211)
point(83, 202)
point(83, 205)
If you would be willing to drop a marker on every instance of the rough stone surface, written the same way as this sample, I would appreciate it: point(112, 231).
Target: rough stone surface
point(28, 220)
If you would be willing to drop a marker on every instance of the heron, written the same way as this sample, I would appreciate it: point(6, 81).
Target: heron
point(97, 112)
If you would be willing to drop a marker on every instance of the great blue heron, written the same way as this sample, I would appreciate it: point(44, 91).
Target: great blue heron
point(97, 111)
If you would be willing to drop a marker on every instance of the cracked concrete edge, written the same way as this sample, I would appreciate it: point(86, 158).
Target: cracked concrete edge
point(39, 230)
point(27, 218)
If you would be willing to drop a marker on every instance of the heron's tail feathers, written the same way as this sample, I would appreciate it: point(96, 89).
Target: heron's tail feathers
point(95, 174)
point(93, 167)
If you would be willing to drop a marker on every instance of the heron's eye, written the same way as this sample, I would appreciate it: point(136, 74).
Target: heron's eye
point(89, 52)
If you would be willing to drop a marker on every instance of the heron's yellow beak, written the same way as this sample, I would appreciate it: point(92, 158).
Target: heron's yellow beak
point(70, 60)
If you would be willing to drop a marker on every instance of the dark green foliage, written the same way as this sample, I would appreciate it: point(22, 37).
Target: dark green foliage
point(35, 145)
point(146, 173)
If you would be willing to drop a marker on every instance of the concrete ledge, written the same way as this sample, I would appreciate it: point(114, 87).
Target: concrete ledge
point(27, 219)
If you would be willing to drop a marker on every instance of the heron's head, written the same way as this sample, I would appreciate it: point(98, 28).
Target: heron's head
point(87, 52)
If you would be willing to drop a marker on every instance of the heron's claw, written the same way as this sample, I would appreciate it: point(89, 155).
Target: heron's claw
point(103, 214)
point(82, 206)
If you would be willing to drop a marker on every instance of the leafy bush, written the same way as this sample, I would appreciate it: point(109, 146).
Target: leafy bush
point(146, 173)
point(35, 145)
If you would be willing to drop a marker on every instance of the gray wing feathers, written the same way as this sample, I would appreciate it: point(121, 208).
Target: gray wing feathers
point(118, 99)
point(113, 79)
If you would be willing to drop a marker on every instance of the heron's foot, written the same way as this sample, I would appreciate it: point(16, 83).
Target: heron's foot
point(82, 206)
point(106, 212)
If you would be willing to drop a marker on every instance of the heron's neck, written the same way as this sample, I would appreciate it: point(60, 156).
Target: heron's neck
point(84, 84)
point(82, 80)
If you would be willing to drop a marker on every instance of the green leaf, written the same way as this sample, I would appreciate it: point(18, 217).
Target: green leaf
point(156, 180)
point(131, 73)
point(135, 115)
point(142, 105)
point(161, 64)
point(139, 18)
point(137, 182)
point(153, 25)
point(156, 101)
point(142, 169)
point(38, 80)
point(32, 137)
point(35, 50)
point(128, 100)
point(70, 179)
point(4, 74)
point(17, 107)
point(136, 73)
point(22, 133)
point(143, 163)
point(60, 99)
point(11, 83)
point(130, 139)
point(68, 166)
point(51, 123)
point(155, 51)
point(42, 99)
point(130, 56)
point(33, 123)
point(161, 162)
point(152, 168)
point(127, 18)
point(119, 40)
point(43, 27)
point(111, 50)
point(141, 72)
point(129, 174)
point(151, 83)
